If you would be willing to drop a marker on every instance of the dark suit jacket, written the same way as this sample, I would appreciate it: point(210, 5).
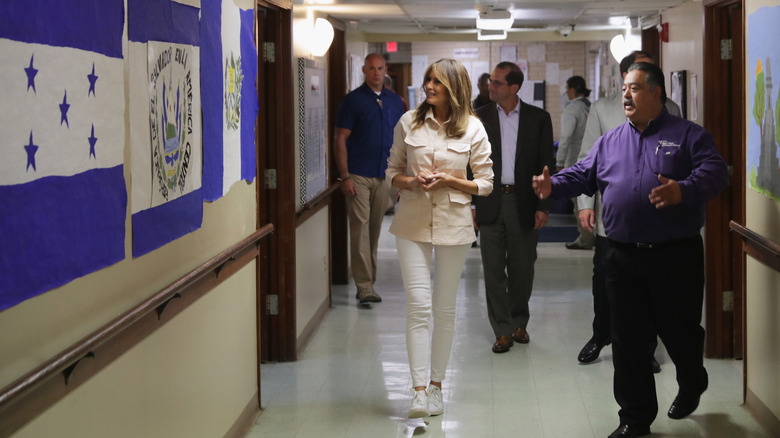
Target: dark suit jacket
point(534, 151)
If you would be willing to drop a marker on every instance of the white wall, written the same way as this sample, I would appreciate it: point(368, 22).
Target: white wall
point(312, 268)
point(684, 50)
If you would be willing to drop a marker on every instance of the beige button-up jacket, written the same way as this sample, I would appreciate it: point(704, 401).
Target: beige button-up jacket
point(443, 216)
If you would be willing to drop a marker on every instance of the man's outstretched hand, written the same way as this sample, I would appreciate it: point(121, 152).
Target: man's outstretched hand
point(542, 184)
point(668, 193)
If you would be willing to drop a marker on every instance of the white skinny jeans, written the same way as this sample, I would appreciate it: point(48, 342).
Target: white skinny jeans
point(422, 300)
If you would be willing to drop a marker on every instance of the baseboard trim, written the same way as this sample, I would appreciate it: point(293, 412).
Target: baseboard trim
point(311, 327)
point(762, 413)
point(246, 419)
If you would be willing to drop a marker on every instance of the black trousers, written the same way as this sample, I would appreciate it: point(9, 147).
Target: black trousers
point(601, 318)
point(659, 288)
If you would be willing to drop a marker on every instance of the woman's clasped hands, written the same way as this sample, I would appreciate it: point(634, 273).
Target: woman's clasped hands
point(430, 181)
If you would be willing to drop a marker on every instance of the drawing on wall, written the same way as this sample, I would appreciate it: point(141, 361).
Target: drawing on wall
point(62, 188)
point(763, 165)
point(228, 69)
point(165, 122)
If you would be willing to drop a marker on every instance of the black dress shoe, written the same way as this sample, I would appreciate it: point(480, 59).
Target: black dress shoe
point(627, 431)
point(590, 351)
point(575, 245)
point(683, 406)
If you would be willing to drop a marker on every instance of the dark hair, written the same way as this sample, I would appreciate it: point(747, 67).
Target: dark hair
point(515, 75)
point(484, 77)
point(653, 76)
point(626, 62)
point(577, 83)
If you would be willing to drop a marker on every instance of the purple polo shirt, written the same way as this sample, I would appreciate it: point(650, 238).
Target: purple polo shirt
point(624, 165)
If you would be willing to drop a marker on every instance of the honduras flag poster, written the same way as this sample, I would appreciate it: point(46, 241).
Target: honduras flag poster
point(228, 74)
point(63, 199)
point(165, 121)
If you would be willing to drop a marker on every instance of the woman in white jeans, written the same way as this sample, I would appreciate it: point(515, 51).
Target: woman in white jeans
point(432, 148)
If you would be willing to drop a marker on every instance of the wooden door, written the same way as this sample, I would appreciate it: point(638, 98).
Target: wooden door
point(724, 118)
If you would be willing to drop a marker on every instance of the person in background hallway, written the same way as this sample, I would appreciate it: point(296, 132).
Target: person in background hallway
point(364, 135)
point(483, 98)
point(606, 114)
point(432, 148)
point(575, 115)
point(655, 174)
point(509, 219)
point(388, 83)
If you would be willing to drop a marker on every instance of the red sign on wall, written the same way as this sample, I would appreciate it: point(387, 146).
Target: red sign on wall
point(392, 47)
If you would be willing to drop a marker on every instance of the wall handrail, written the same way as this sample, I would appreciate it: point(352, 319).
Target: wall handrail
point(58, 370)
point(316, 204)
point(757, 246)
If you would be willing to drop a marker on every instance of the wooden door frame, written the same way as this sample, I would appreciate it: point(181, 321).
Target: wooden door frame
point(725, 329)
point(276, 151)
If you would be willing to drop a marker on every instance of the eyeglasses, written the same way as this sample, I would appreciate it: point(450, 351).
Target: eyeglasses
point(493, 83)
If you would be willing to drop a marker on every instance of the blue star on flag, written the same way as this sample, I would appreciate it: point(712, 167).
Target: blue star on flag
point(64, 110)
point(31, 72)
point(92, 79)
point(92, 140)
point(31, 150)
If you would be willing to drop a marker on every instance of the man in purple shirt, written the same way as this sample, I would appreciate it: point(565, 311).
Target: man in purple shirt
point(655, 174)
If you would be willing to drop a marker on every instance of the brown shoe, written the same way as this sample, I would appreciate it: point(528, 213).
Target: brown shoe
point(502, 344)
point(521, 336)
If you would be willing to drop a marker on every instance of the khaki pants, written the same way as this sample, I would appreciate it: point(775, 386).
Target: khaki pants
point(586, 238)
point(365, 212)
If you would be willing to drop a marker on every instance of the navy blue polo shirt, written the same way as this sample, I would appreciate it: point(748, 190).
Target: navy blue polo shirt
point(371, 126)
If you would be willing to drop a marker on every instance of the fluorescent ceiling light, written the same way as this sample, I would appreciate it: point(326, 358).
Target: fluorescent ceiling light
point(489, 34)
point(495, 20)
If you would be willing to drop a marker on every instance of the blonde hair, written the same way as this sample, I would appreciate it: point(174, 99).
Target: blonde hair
point(453, 75)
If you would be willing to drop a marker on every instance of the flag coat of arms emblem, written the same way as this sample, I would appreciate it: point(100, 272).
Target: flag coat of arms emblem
point(230, 106)
point(165, 121)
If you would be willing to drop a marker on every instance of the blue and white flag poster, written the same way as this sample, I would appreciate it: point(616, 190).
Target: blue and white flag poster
point(165, 122)
point(63, 200)
point(228, 75)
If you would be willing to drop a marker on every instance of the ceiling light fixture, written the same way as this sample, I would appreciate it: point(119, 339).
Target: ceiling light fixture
point(491, 34)
point(495, 20)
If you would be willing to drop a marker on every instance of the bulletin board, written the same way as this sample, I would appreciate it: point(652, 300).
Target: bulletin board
point(312, 130)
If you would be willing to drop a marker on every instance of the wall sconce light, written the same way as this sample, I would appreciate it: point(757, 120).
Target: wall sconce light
point(495, 20)
point(321, 37)
point(488, 34)
point(621, 46)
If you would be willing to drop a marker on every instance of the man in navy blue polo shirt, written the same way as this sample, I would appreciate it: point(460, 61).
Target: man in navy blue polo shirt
point(364, 135)
point(655, 174)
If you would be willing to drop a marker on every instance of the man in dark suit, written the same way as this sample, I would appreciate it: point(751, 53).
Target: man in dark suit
point(521, 137)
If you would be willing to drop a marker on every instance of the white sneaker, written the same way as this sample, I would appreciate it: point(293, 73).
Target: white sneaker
point(419, 405)
point(435, 401)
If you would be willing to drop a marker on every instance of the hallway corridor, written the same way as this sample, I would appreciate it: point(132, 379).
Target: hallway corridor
point(352, 380)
